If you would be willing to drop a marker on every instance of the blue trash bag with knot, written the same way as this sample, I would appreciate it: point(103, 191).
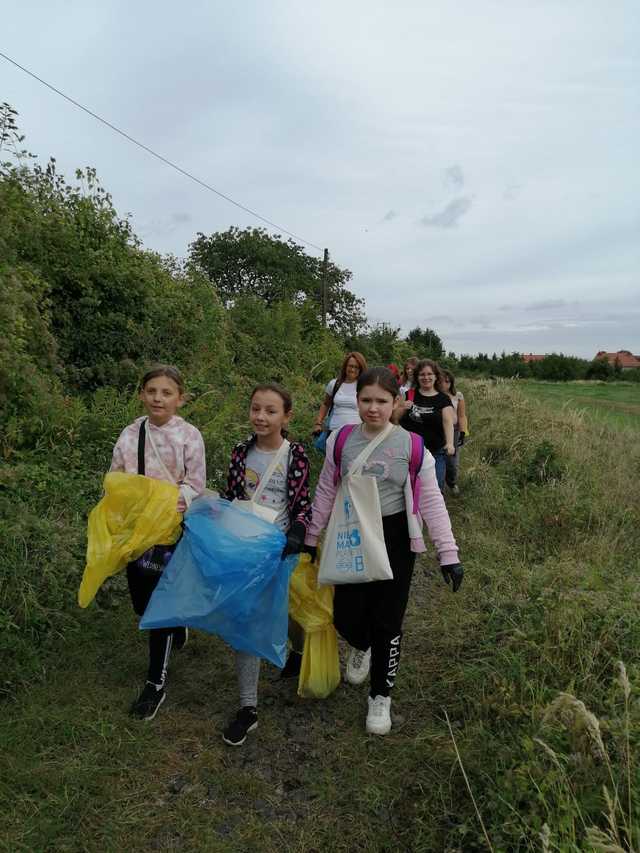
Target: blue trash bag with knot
point(226, 577)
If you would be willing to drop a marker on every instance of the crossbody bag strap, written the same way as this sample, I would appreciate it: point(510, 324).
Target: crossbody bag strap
point(264, 480)
point(359, 461)
point(141, 442)
point(165, 471)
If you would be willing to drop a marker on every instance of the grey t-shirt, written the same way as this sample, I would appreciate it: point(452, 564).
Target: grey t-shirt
point(389, 464)
point(274, 495)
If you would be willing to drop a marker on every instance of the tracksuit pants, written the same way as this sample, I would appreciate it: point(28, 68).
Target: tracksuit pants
point(370, 615)
point(141, 587)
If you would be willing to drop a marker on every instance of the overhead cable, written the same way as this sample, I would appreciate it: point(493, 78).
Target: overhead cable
point(158, 156)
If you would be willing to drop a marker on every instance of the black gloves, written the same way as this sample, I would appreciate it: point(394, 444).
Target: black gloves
point(312, 550)
point(453, 575)
point(461, 437)
point(295, 539)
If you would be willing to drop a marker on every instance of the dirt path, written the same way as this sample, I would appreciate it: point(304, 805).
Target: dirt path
point(87, 777)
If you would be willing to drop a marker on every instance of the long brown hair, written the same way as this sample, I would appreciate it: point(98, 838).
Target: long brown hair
point(410, 362)
point(362, 363)
point(447, 374)
point(420, 366)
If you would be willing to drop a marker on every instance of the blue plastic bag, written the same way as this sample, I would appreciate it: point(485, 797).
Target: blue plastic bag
point(320, 441)
point(226, 577)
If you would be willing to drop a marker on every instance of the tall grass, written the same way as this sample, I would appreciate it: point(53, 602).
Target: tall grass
point(517, 727)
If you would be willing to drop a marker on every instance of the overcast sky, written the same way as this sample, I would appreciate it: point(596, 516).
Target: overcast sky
point(472, 163)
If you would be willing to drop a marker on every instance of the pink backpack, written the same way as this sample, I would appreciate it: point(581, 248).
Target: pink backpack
point(415, 461)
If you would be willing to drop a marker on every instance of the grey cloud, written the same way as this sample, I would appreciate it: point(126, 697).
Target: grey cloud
point(165, 226)
point(181, 217)
point(454, 176)
point(442, 318)
point(505, 308)
point(511, 191)
point(450, 215)
point(389, 216)
point(546, 305)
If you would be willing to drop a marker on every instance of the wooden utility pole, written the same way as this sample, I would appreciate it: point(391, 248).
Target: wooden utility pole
point(325, 301)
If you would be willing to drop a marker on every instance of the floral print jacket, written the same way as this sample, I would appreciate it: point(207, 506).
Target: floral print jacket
point(298, 498)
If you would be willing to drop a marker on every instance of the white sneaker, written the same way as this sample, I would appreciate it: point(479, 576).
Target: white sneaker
point(358, 666)
point(379, 715)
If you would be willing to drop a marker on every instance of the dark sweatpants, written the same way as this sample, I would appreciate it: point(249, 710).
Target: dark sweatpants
point(160, 639)
point(370, 615)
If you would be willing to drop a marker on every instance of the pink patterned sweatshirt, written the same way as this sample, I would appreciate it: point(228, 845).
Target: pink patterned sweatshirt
point(432, 508)
point(179, 445)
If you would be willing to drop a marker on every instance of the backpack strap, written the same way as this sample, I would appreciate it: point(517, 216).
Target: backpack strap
point(415, 460)
point(141, 441)
point(415, 464)
point(343, 434)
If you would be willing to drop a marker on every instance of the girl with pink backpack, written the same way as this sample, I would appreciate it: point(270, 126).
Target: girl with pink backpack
point(376, 487)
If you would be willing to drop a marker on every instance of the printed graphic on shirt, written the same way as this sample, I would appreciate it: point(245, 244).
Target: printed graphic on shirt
point(274, 495)
point(416, 412)
point(377, 469)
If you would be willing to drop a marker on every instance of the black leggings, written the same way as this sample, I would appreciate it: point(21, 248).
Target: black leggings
point(370, 615)
point(141, 587)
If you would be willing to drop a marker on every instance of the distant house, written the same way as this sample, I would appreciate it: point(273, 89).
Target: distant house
point(625, 359)
point(529, 357)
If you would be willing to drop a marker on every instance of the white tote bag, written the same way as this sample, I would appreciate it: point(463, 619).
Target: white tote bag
point(252, 506)
point(354, 549)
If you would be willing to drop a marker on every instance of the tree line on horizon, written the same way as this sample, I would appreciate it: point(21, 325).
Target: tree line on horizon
point(86, 306)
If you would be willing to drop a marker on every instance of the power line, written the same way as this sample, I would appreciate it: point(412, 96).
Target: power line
point(156, 155)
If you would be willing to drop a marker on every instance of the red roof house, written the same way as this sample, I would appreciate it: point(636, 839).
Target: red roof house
point(623, 357)
point(529, 357)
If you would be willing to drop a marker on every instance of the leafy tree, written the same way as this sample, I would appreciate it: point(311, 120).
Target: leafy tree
point(599, 369)
point(557, 367)
point(251, 262)
point(380, 344)
point(426, 343)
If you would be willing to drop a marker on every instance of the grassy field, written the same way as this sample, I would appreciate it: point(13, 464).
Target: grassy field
point(614, 403)
point(518, 673)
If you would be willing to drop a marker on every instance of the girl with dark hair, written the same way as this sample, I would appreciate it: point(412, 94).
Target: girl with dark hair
point(340, 406)
point(406, 377)
point(447, 385)
point(163, 446)
point(275, 473)
point(429, 412)
point(369, 615)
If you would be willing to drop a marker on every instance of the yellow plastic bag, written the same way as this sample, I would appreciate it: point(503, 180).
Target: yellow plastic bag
point(135, 514)
point(312, 608)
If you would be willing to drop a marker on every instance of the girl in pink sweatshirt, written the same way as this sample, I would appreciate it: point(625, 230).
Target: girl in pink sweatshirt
point(164, 446)
point(369, 615)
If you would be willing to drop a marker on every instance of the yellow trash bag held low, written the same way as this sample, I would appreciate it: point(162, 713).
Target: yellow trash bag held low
point(312, 608)
point(135, 514)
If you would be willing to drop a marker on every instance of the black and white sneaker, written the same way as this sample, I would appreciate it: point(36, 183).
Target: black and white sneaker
point(148, 702)
point(236, 732)
point(180, 638)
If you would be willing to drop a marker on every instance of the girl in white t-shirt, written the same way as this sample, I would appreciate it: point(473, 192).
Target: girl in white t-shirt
point(340, 404)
